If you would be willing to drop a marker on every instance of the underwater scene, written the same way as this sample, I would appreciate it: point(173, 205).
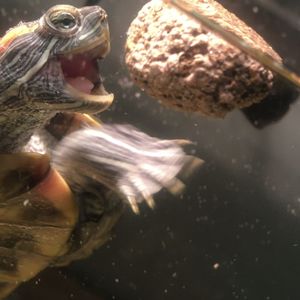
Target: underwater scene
point(149, 149)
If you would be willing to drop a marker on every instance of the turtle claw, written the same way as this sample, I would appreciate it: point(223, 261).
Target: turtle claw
point(192, 163)
point(150, 201)
point(176, 186)
point(133, 204)
point(183, 142)
point(139, 186)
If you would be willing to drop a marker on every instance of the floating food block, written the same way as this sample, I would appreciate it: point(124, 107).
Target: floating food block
point(185, 66)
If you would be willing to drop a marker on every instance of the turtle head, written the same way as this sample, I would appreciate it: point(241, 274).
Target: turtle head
point(53, 63)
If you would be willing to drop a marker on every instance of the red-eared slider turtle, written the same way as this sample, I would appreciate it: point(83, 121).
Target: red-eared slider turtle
point(59, 198)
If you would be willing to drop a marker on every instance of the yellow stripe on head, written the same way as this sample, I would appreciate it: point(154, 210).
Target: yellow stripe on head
point(13, 33)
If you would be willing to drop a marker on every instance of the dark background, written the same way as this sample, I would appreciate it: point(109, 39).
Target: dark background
point(235, 233)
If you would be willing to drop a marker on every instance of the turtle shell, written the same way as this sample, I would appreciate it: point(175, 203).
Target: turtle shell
point(37, 213)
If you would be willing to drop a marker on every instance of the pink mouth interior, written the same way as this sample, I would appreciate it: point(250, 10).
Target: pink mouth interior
point(80, 72)
point(81, 84)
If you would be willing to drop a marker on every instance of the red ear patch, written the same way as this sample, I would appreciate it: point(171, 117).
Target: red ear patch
point(12, 34)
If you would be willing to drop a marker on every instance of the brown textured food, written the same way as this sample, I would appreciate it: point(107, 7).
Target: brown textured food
point(182, 64)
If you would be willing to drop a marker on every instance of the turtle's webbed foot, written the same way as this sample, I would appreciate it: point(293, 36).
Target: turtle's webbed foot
point(123, 159)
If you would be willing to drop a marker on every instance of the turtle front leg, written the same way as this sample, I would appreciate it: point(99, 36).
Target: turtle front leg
point(125, 160)
point(119, 157)
point(37, 216)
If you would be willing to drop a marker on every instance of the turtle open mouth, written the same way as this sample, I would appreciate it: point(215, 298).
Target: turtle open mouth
point(83, 80)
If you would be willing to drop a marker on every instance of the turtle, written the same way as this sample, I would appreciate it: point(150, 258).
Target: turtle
point(65, 177)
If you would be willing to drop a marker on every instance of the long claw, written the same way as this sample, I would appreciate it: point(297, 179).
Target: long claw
point(149, 200)
point(183, 142)
point(192, 164)
point(176, 186)
point(133, 204)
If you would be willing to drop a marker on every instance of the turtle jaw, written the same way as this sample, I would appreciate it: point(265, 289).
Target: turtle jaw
point(85, 102)
point(70, 83)
point(82, 79)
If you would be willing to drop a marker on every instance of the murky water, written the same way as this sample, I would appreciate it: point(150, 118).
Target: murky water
point(235, 232)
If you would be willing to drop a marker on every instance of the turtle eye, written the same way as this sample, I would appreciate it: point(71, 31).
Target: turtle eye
point(63, 20)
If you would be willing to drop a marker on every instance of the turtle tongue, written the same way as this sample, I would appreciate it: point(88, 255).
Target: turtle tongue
point(81, 83)
point(80, 71)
